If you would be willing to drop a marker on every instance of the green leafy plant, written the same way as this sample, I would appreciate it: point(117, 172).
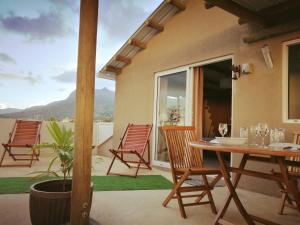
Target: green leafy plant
point(63, 147)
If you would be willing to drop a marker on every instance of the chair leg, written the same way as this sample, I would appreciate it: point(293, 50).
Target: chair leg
point(110, 166)
point(282, 187)
point(209, 195)
point(148, 152)
point(11, 154)
point(137, 168)
point(31, 160)
point(120, 158)
point(282, 203)
point(142, 160)
point(177, 185)
point(212, 184)
point(37, 154)
point(3, 155)
point(180, 203)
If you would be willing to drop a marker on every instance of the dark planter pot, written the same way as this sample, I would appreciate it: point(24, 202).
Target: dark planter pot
point(49, 204)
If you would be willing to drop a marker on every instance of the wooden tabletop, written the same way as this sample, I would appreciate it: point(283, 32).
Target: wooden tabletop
point(246, 149)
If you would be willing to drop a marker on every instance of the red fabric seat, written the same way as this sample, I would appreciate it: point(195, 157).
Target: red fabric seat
point(25, 134)
point(134, 141)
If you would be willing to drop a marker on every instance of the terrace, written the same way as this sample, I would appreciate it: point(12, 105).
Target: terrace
point(126, 207)
point(134, 104)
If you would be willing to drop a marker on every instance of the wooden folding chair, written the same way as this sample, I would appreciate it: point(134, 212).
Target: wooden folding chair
point(25, 134)
point(295, 172)
point(134, 142)
point(186, 161)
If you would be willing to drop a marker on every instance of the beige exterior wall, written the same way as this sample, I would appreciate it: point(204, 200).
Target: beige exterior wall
point(103, 149)
point(101, 135)
point(7, 126)
point(195, 35)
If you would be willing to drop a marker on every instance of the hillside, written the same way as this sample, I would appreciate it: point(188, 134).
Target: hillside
point(9, 110)
point(104, 105)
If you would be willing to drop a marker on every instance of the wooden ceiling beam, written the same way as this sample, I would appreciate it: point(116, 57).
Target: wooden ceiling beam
point(113, 69)
point(242, 21)
point(282, 12)
point(123, 59)
point(280, 8)
point(137, 43)
point(208, 5)
point(177, 4)
point(154, 25)
point(273, 31)
point(239, 11)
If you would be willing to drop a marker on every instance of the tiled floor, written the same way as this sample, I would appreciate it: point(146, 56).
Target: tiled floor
point(142, 207)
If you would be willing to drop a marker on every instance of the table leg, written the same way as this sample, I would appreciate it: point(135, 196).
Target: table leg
point(290, 184)
point(231, 187)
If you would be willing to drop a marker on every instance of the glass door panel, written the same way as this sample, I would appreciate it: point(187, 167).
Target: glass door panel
point(171, 108)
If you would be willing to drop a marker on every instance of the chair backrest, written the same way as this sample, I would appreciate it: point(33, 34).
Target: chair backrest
point(297, 159)
point(25, 133)
point(181, 154)
point(136, 137)
point(297, 138)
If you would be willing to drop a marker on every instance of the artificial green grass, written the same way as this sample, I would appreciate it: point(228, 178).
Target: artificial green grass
point(17, 185)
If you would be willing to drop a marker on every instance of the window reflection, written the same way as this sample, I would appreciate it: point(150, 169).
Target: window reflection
point(294, 81)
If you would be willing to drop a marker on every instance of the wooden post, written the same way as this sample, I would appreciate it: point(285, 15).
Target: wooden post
point(81, 191)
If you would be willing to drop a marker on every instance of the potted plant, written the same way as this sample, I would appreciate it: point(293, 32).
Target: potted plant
point(50, 200)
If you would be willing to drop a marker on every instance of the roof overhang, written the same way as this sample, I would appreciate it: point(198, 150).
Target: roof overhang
point(153, 25)
point(268, 18)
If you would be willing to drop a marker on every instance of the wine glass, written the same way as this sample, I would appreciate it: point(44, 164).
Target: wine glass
point(223, 129)
point(262, 130)
point(244, 132)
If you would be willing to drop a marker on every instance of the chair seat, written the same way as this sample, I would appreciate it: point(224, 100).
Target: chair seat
point(199, 171)
point(135, 141)
point(124, 150)
point(18, 145)
point(25, 134)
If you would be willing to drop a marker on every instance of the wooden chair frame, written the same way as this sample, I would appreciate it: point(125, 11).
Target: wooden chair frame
point(134, 145)
point(286, 200)
point(186, 161)
point(22, 142)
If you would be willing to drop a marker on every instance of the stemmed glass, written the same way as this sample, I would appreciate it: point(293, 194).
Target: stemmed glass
point(223, 129)
point(262, 130)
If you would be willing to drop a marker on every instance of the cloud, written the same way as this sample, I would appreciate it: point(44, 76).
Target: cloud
point(3, 106)
point(6, 58)
point(66, 77)
point(20, 76)
point(47, 26)
point(121, 18)
point(73, 5)
point(62, 89)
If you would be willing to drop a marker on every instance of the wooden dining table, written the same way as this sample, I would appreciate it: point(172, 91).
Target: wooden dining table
point(259, 154)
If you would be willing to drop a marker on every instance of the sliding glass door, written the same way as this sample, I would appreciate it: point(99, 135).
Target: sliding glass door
point(173, 106)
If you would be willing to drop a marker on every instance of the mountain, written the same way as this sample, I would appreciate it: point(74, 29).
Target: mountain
point(103, 109)
point(9, 110)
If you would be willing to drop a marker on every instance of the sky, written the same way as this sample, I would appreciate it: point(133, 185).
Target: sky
point(38, 45)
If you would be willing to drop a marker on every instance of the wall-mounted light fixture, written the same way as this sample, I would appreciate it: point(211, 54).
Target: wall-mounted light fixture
point(246, 68)
point(267, 56)
point(236, 72)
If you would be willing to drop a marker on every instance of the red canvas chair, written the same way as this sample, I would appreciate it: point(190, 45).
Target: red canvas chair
point(134, 142)
point(25, 134)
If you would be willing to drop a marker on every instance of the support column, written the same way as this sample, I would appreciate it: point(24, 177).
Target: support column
point(81, 192)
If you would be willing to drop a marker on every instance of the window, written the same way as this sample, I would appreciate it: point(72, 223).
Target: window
point(291, 82)
point(172, 106)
